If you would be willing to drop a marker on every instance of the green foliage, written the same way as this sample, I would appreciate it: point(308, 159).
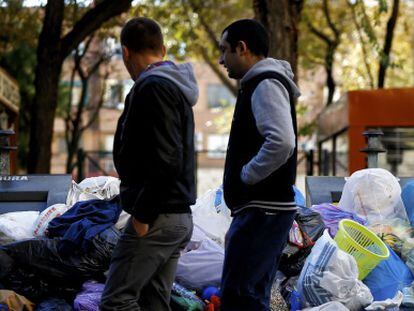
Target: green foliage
point(18, 42)
point(350, 61)
point(182, 22)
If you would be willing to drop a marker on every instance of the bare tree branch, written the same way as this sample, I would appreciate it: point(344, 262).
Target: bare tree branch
point(213, 65)
point(226, 81)
point(329, 20)
point(91, 21)
point(363, 45)
point(98, 106)
point(319, 33)
point(389, 36)
point(211, 34)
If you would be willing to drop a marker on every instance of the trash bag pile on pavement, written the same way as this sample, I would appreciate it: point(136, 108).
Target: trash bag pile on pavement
point(354, 255)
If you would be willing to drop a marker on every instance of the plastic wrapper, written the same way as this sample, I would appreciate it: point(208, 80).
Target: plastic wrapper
point(211, 214)
point(182, 299)
point(311, 227)
point(46, 216)
point(16, 226)
point(201, 264)
point(332, 215)
point(330, 274)
point(388, 304)
point(100, 188)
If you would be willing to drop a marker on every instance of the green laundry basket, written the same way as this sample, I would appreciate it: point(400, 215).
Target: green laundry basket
point(363, 244)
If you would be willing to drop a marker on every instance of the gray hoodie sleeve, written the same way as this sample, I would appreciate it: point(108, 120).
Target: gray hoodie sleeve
point(271, 110)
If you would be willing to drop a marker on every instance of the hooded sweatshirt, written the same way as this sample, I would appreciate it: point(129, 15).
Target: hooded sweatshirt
point(182, 75)
point(271, 110)
point(154, 143)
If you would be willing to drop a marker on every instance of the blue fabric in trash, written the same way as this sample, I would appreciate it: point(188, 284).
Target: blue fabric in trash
point(82, 222)
point(389, 277)
point(299, 198)
point(407, 196)
point(53, 304)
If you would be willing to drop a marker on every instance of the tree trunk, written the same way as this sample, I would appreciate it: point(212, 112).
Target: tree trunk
point(281, 19)
point(389, 36)
point(52, 50)
point(49, 65)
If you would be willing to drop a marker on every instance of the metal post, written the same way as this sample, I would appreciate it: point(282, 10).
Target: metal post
point(309, 162)
point(374, 147)
point(5, 149)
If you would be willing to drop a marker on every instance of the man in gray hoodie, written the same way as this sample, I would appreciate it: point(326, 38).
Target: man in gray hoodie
point(260, 167)
point(154, 157)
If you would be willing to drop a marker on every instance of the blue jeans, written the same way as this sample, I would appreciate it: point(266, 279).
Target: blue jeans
point(255, 242)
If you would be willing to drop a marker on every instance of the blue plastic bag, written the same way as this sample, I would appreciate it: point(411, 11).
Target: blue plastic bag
point(299, 198)
point(388, 277)
point(407, 196)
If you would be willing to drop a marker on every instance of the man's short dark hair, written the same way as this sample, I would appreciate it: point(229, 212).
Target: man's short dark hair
point(142, 34)
point(252, 33)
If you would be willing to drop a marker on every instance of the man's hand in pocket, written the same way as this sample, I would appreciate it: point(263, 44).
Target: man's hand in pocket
point(140, 228)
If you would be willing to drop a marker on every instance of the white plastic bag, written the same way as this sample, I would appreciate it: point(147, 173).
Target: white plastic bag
point(329, 306)
point(201, 264)
point(46, 216)
point(330, 274)
point(375, 195)
point(16, 226)
point(388, 304)
point(211, 214)
point(101, 188)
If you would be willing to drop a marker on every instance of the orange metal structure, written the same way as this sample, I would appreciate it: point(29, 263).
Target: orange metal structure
point(363, 109)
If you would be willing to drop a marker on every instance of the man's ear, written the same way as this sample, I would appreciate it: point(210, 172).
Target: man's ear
point(164, 51)
point(125, 52)
point(242, 47)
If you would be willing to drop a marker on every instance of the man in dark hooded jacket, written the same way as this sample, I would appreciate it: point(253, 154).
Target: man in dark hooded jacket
point(154, 157)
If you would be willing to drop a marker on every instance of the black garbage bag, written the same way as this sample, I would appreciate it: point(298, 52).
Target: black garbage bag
point(312, 226)
point(53, 304)
point(38, 270)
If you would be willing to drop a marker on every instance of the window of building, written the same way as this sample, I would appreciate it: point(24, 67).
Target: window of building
point(217, 146)
point(116, 91)
point(199, 141)
point(219, 96)
point(341, 154)
point(62, 146)
point(326, 158)
point(334, 155)
point(108, 142)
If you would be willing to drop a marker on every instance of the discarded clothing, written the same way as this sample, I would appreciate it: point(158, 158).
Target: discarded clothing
point(79, 225)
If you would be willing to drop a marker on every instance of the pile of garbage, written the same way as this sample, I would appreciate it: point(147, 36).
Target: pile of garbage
point(331, 276)
point(57, 259)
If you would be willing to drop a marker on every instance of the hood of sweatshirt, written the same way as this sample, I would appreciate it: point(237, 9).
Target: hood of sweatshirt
point(276, 65)
point(181, 74)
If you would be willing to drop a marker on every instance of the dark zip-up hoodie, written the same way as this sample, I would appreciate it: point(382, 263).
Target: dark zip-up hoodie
point(154, 143)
